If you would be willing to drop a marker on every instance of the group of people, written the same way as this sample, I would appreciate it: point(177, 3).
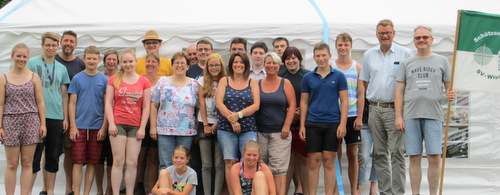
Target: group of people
point(258, 123)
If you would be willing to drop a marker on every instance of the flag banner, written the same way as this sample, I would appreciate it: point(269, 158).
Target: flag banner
point(477, 63)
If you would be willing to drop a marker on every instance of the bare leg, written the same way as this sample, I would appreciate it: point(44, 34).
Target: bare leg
point(141, 167)
point(99, 177)
point(12, 154)
point(352, 157)
point(117, 146)
point(280, 182)
point(291, 172)
point(109, 189)
point(27, 153)
point(152, 168)
point(433, 173)
point(314, 163)
point(329, 170)
point(51, 181)
point(415, 173)
point(229, 164)
point(259, 184)
point(77, 178)
point(68, 169)
point(89, 178)
point(164, 180)
point(302, 167)
point(131, 154)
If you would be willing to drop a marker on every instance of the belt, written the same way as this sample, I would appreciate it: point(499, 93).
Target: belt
point(383, 104)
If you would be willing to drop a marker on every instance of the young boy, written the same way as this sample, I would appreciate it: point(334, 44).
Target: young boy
point(87, 119)
point(326, 120)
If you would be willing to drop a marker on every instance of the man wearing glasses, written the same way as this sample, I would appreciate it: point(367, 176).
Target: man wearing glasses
point(378, 73)
point(152, 43)
point(203, 50)
point(420, 90)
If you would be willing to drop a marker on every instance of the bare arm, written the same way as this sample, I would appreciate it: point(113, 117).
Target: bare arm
point(152, 120)
point(101, 135)
point(73, 132)
point(398, 106)
point(290, 100)
point(358, 123)
point(203, 111)
point(146, 102)
point(269, 179)
point(41, 105)
point(304, 104)
point(235, 179)
point(449, 93)
point(64, 93)
point(219, 99)
point(108, 108)
point(2, 102)
point(344, 109)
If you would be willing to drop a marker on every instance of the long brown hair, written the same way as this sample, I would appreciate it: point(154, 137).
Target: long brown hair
point(208, 79)
point(119, 74)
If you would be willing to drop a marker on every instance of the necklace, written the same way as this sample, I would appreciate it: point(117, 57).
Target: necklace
point(51, 76)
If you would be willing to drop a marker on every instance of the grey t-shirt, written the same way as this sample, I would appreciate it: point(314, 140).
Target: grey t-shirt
point(424, 78)
point(179, 181)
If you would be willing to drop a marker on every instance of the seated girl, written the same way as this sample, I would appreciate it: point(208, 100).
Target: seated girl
point(177, 179)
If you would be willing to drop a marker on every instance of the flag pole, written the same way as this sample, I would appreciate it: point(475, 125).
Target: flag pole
point(449, 105)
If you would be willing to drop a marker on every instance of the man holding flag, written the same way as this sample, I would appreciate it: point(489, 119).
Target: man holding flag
point(420, 89)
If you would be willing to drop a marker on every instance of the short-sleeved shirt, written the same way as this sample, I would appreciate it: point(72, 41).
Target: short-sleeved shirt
point(324, 95)
point(380, 71)
point(90, 92)
point(73, 67)
point(51, 89)
point(424, 79)
point(194, 71)
point(209, 104)
point(295, 79)
point(258, 76)
point(180, 181)
point(128, 98)
point(176, 107)
point(165, 68)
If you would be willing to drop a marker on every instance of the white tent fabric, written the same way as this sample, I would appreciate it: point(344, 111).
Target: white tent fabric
point(122, 23)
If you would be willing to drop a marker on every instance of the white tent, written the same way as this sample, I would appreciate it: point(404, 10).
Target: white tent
point(122, 23)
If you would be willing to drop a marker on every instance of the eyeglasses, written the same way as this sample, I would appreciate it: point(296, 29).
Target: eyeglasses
point(385, 33)
point(203, 49)
point(180, 62)
point(50, 45)
point(151, 42)
point(425, 37)
point(214, 65)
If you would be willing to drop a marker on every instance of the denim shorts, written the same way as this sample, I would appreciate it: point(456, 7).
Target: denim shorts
point(230, 143)
point(419, 130)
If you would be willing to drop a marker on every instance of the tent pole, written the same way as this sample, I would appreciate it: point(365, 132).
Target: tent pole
point(449, 106)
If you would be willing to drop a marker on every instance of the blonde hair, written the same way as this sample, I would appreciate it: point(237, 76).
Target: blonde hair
point(384, 23)
point(50, 35)
point(208, 79)
point(119, 74)
point(20, 46)
point(252, 144)
point(182, 148)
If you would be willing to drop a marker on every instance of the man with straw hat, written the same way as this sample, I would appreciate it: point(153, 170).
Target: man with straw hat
point(152, 43)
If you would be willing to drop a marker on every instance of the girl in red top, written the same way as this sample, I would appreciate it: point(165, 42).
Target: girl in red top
point(127, 104)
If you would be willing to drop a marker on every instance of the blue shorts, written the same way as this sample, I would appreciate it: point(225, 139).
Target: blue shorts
point(419, 130)
point(230, 143)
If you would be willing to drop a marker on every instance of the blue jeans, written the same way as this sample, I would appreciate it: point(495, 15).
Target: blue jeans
point(364, 150)
point(166, 146)
point(230, 143)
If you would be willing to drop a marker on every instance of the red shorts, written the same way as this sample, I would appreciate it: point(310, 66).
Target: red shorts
point(298, 145)
point(85, 150)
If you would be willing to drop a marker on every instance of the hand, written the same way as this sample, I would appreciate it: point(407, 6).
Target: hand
point(302, 133)
point(43, 131)
point(358, 123)
point(285, 132)
point(451, 95)
point(207, 130)
point(236, 127)
point(341, 131)
point(140, 134)
point(296, 116)
point(65, 125)
point(2, 138)
point(101, 135)
point(73, 134)
point(400, 124)
point(112, 130)
point(213, 128)
point(233, 117)
point(153, 133)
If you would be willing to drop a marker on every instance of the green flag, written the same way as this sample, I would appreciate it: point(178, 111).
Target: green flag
point(477, 63)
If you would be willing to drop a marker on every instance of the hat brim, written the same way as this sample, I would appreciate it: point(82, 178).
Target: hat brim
point(152, 39)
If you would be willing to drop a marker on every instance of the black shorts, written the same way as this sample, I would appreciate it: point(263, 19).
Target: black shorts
point(351, 136)
point(321, 137)
point(148, 141)
point(106, 153)
point(53, 147)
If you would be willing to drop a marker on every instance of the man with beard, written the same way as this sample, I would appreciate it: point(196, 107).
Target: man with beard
point(203, 50)
point(74, 65)
point(193, 59)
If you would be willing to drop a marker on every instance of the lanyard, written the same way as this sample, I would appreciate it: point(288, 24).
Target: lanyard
point(51, 77)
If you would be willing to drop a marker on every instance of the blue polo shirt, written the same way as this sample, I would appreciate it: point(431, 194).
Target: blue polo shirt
point(324, 95)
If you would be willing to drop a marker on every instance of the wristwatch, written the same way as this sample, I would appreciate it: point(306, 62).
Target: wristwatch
point(240, 115)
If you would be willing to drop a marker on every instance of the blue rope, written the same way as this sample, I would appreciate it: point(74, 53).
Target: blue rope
point(12, 10)
point(325, 23)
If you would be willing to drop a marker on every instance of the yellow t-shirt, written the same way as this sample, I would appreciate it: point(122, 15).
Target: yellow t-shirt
point(165, 68)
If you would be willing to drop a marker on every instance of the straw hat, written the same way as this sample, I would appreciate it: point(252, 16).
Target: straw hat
point(151, 35)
